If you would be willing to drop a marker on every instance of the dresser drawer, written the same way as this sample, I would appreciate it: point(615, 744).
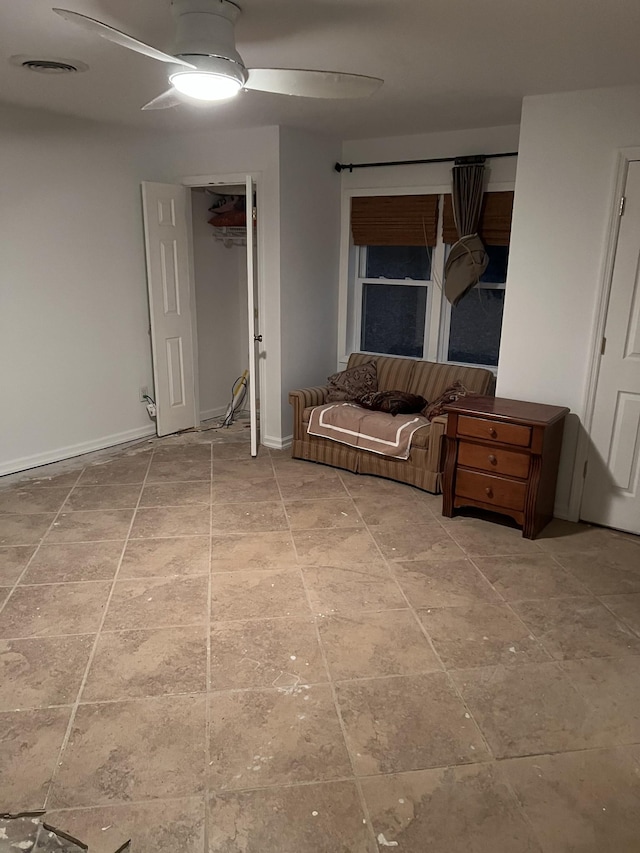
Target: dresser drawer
point(493, 459)
point(495, 431)
point(497, 491)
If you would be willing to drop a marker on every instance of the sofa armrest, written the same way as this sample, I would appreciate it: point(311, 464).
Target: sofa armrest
point(436, 444)
point(301, 400)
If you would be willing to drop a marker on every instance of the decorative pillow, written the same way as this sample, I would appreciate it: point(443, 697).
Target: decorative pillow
point(349, 384)
point(392, 402)
point(449, 395)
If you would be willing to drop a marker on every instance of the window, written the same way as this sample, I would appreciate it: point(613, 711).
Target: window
point(398, 307)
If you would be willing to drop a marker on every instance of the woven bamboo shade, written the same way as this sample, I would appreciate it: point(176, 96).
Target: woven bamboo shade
point(394, 220)
point(495, 219)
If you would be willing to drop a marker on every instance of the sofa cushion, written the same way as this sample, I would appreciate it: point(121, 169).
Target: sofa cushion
point(351, 383)
point(392, 402)
point(431, 379)
point(394, 374)
point(449, 395)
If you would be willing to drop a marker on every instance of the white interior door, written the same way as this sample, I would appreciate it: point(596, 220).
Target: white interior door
point(167, 250)
point(612, 485)
point(254, 336)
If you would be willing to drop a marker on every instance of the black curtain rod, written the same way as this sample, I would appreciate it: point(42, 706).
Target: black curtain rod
point(340, 167)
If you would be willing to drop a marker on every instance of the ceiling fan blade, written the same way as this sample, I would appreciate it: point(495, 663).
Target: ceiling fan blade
point(117, 37)
point(170, 98)
point(311, 84)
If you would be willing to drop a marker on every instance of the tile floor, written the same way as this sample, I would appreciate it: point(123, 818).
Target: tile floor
point(217, 655)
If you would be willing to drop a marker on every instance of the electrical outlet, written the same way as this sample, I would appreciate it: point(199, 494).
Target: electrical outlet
point(144, 392)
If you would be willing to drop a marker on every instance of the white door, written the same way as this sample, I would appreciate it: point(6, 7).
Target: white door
point(612, 486)
point(252, 302)
point(167, 250)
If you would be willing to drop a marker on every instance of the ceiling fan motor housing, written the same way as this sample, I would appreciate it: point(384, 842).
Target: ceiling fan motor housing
point(206, 28)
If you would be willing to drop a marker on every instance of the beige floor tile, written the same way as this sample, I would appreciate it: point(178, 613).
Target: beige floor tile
point(452, 810)
point(30, 743)
point(606, 571)
point(303, 486)
point(90, 526)
point(80, 561)
point(528, 709)
point(242, 469)
point(560, 536)
point(246, 489)
point(171, 521)
point(342, 547)
point(249, 551)
point(157, 602)
point(479, 635)
point(612, 688)
point(323, 818)
point(167, 470)
point(182, 453)
point(341, 590)
point(158, 826)
point(265, 653)
point(248, 517)
point(13, 561)
point(412, 722)
point(120, 471)
point(365, 484)
point(51, 478)
point(186, 555)
point(159, 753)
point(102, 497)
point(577, 628)
point(416, 542)
point(24, 528)
point(134, 664)
point(234, 450)
point(176, 494)
point(528, 576)
point(257, 595)
point(273, 737)
point(443, 583)
point(36, 673)
point(626, 608)
point(30, 499)
point(485, 538)
point(365, 645)
point(5, 592)
point(586, 801)
point(382, 509)
point(54, 609)
point(326, 513)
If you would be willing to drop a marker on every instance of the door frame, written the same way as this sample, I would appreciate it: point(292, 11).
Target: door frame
point(624, 157)
point(224, 179)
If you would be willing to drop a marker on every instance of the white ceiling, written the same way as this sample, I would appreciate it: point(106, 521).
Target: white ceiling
point(447, 64)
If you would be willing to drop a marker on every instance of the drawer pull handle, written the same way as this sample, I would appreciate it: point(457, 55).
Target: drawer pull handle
point(492, 459)
point(492, 432)
point(489, 491)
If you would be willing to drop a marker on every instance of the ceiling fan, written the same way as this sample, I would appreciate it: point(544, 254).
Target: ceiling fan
point(206, 65)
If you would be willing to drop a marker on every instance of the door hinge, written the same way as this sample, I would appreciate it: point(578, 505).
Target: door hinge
point(584, 470)
point(603, 345)
point(623, 201)
point(254, 213)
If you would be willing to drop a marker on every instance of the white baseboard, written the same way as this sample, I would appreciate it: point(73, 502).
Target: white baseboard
point(208, 414)
point(275, 442)
point(12, 466)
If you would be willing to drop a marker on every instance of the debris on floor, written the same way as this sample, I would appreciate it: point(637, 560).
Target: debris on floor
point(30, 832)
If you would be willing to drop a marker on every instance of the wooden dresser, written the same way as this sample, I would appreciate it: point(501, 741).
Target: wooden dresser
point(502, 455)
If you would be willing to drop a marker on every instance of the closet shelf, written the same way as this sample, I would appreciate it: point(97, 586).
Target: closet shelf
point(231, 235)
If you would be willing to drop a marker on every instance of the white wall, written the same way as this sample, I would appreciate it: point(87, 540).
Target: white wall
point(220, 310)
point(309, 253)
point(74, 346)
point(563, 201)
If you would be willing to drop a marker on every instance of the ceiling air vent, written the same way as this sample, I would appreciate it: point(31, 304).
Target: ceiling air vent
point(48, 65)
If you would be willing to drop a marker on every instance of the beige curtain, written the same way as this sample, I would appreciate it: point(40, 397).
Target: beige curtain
point(467, 258)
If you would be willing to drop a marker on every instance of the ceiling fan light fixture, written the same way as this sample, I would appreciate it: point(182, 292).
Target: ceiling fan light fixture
point(205, 86)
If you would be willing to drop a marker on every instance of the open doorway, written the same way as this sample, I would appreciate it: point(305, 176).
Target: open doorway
point(203, 302)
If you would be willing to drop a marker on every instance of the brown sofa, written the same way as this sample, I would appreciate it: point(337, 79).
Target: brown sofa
point(423, 468)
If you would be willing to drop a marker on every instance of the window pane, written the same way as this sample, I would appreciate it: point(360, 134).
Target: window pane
point(476, 322)
point(496, 272)
point(393, 318)
point(412, 262)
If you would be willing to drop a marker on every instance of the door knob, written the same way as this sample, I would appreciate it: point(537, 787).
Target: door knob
point(257, 338)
